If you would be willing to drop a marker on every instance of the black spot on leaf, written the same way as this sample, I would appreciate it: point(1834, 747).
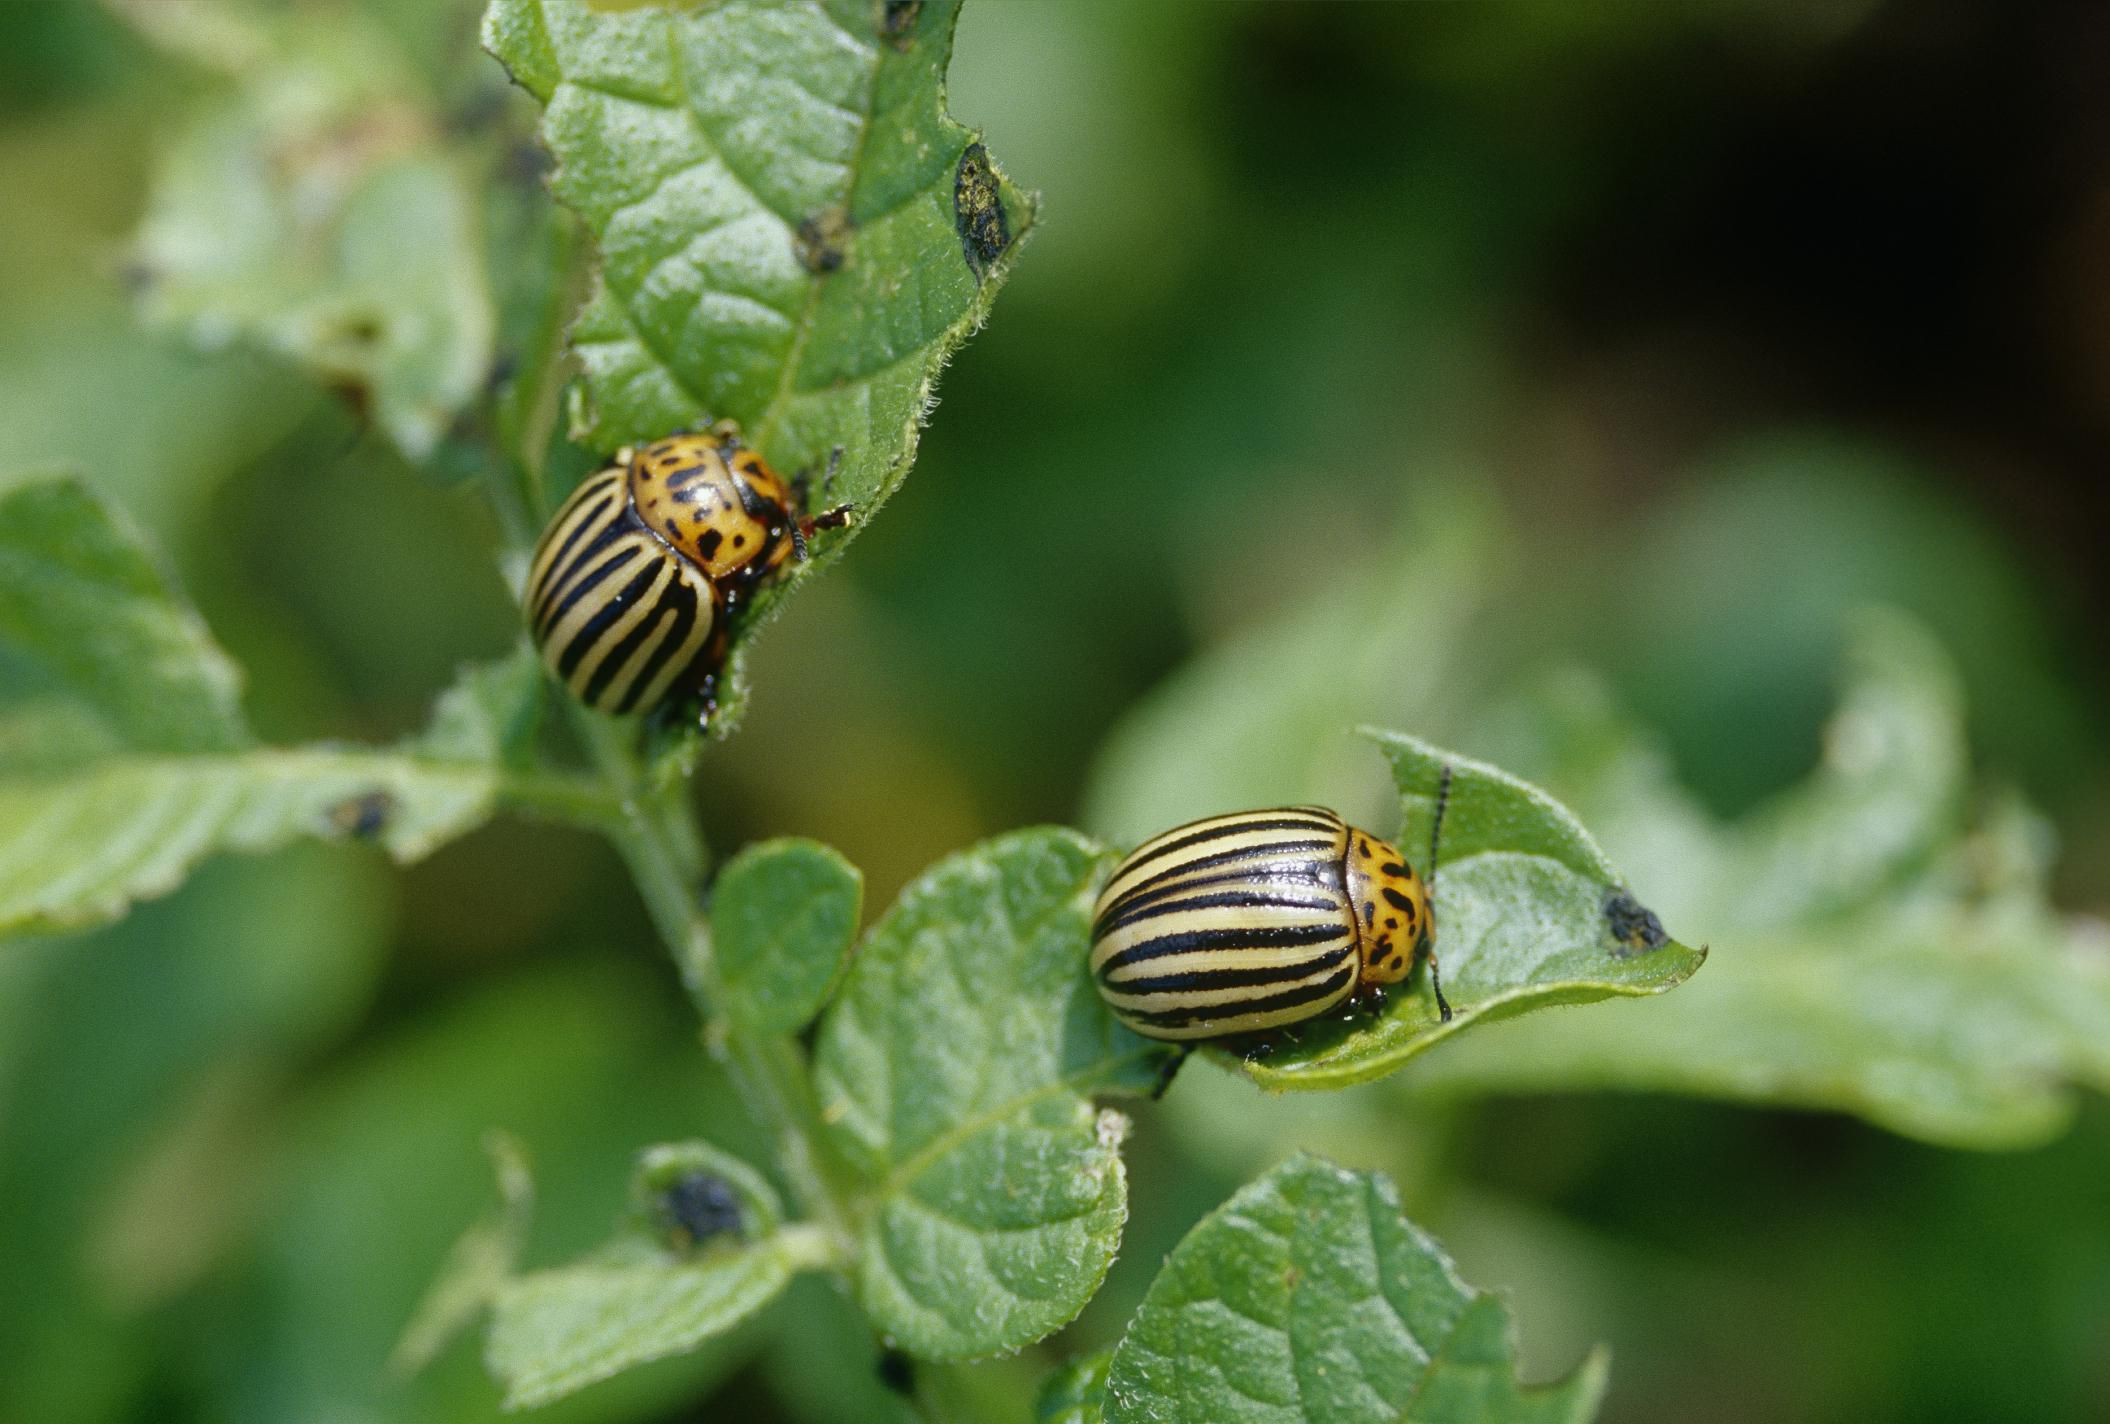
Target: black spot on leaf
point(822, 239)
point(364, 816)
point(978, 211)
point(1634, 925)
point(698, 1207)
point(897, 22)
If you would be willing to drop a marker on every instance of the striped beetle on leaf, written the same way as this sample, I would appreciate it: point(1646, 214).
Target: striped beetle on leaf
point(1252, 921)
point(631, 589)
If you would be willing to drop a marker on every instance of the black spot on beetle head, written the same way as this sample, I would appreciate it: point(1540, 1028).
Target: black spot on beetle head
point(364, 816)
point(1634, 925)
point(699, 1206)
point(978, 211)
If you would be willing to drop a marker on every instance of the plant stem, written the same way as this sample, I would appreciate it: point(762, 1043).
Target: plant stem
point(576, 800)
point(658, 838)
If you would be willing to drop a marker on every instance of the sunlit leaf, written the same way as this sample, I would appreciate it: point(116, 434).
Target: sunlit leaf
point(953, 1069)
point(1308, 1298)
point(793, 234)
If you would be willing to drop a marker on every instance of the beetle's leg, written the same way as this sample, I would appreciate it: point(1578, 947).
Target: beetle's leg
point(1443, 1005)
point(1366, 1003)
point(802, 528)
point(705, 687)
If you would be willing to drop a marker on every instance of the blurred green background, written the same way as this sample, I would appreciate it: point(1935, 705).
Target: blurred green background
point(1653, 338)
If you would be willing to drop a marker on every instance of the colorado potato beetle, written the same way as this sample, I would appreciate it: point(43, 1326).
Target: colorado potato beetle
point(631, 589)
point(1259, 919)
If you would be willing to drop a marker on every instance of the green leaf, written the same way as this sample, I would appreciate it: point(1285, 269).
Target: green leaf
point(1878, 953)
point(953, 1070)
point(82, 845)
point(1308, 1298)
point(783, 916)
point(793, 234)
point(1076, 1393)
point(480, 1262)
point(662, 1174)
point(1529, 914)
point(86, 616)
point(657, 1288)
point(124, 760)
point(555, 1332)
point(312, 209)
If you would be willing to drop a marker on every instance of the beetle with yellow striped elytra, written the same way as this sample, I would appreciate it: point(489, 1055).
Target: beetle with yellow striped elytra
point(1253, 921)
point(632, 587)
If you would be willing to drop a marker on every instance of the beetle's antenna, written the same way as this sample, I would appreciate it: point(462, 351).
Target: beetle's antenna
point(1443, 801)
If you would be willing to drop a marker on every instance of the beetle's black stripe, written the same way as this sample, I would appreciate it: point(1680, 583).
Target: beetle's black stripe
point(1241, 1008)
point(1396, 900)
point(1239, 978)
point(1246, 937)
point(1219, 830)
point(1170, 877)
point(1254, 899)
point(576, 524)
point(585, 525)
point(560, 579)
point(608, 611)
point(618, 657)
point(564, 593)
point(682, 598)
